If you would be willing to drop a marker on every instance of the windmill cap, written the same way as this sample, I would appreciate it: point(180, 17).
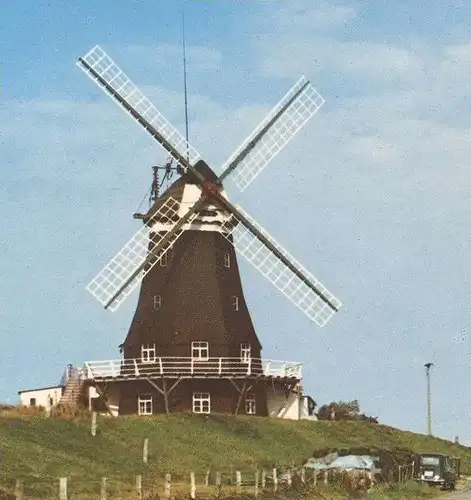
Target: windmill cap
point(205, 170)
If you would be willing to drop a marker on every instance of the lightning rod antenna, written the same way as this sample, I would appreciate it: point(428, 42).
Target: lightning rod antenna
point(184, 84)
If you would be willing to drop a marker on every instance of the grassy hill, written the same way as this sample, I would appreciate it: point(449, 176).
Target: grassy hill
point(39, 450)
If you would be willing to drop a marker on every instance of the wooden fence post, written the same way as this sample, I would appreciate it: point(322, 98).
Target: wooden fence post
point(103, 489)
point(303, 475)
point(218, 479)
point(18, 490)
point(257, 477)
point(145, 450)
point(193, 486)
point(63, 488)
point(290, 479)
point(206, 478)
point(238, 481)
point(275, 480)
point(326, 476)
point(264, 479)
point(314, 479)
point(168, 481)
point(93, 426)
point(371, 478)
point(139, 487)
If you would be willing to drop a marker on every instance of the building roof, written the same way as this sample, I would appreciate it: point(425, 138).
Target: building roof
point(41, 388)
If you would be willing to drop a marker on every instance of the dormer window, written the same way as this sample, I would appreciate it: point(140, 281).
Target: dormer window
point(235, 302)
point(227, 260)
point(158, 302)
point(148, 353)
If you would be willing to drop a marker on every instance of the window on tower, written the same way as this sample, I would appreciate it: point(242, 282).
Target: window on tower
point(200, 351)
point(158, 302)
point(235, 302)
point(201, 402)
point(144, 404)
point(227, 259)
point(245, 351)
point(250, 404)
point(148, 353)
point(164, 259)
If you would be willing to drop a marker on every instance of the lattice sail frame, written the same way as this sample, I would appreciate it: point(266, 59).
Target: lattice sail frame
point(115, 274)
point(270, 266)
point(107, 69)
point(304, 107)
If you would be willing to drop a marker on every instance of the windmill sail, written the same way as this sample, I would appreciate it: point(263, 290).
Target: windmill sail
point(273, 133)
point(275, 263)
point(116, 84)
point(128, 267)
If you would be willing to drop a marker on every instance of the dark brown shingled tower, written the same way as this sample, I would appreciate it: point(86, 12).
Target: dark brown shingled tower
point(192, 302)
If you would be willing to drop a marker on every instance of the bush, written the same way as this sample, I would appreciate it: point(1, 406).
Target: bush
point(342, 410)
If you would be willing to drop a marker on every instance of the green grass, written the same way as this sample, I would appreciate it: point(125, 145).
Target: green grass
point(38, 450)
point(402, 491)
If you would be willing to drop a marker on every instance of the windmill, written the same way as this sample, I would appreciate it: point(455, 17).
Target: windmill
point(192, 230)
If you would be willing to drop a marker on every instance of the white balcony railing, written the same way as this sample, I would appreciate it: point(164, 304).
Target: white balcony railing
point(190, 368)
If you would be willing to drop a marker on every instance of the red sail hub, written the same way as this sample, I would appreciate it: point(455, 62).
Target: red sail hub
point(210, 189)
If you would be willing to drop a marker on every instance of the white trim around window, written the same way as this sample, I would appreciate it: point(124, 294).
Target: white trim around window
point(245, 352)
point(158, 302)
point(250, 404)
point(144, 404)
point(235, 302)
point(201, 402)
point(200, 350)
point(148, 353)
point(164, 259)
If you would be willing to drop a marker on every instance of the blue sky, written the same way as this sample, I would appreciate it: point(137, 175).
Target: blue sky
point(372, 196)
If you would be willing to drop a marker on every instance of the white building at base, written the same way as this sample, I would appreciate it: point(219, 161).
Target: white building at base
point(47, 397)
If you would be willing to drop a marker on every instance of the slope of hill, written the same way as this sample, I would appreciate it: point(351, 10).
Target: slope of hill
point(39, 450)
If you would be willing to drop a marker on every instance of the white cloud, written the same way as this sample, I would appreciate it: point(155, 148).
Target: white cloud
point(305, 15)
point(460, 53)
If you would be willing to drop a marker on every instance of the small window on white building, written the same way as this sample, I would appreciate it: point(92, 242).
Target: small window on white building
point(201, 402)
point(148, 353)
point(200, 351)
point(144, 405)
point(227, 259)
point(245, 351)
point(32, 401)
point(158, 302)
point(235, 302)
point(164, 259)
point(250, 406)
